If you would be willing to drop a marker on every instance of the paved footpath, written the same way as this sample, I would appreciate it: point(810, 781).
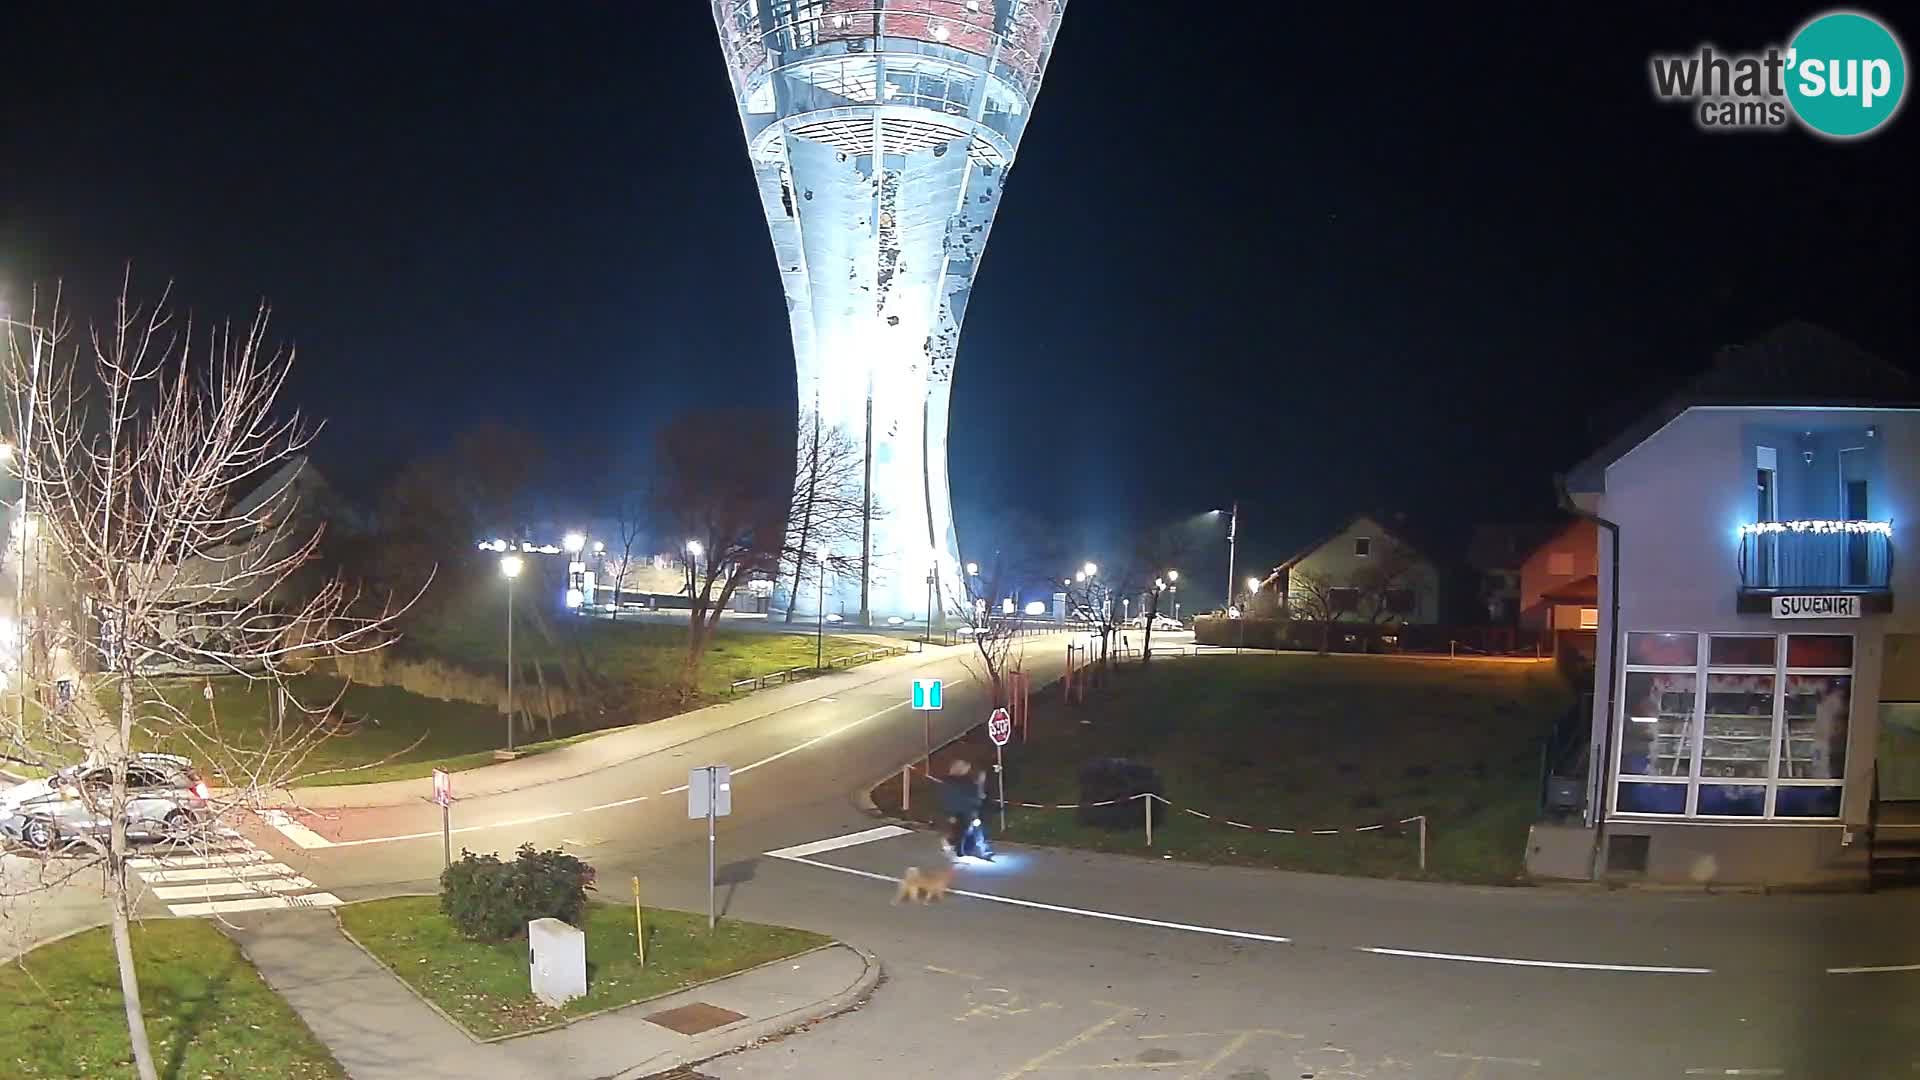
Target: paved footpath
point(379, 1030)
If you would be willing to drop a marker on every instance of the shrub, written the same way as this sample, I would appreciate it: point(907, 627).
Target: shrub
point(489, 900)
point(1118, 779)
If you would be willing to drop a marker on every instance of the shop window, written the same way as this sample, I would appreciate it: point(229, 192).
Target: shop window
point(1819, 651)
point(1741, 651)
point(1663, 650)
point(1755, 728)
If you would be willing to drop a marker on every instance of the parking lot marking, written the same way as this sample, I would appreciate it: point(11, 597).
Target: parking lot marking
point(1870, 970)
point(1508, 961)
point(1245, 935)
point(1037, 1063)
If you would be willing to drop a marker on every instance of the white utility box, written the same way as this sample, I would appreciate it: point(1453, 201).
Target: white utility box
point(557, 956)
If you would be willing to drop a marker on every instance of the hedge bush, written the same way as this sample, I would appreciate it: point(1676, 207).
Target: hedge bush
point(490, 900)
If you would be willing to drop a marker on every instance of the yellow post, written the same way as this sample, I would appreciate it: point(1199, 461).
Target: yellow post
point(639, 924)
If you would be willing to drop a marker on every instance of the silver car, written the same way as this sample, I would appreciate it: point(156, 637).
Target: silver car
point(166, 799)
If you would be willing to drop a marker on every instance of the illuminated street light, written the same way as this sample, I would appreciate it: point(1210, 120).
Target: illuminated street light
point(1080, 575)
point(573, 542)
point(510, 567)
point(1090, 570)
point(1173, 575)
point(973, 569)
point(599, 548)
point(694, 548)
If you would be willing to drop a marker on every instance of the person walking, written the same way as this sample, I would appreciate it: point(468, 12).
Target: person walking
point(961, 798)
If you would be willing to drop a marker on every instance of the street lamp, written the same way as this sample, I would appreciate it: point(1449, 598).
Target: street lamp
point(820, 614)
point(510, 566)
point(573, 542)
point(973, 569)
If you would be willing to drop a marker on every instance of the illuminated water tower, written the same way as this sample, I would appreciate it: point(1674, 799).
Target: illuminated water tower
point(881, 132)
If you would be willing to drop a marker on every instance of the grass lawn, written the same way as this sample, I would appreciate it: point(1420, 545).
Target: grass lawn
point(458, 735)
point(646, 655)
point(1302, 742)
point(208, 1012)
point(485, 986)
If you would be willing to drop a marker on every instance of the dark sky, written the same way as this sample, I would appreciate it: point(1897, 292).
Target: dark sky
point(1341, 256)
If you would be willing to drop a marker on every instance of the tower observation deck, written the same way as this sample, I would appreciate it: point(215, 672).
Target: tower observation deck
point(880, 133)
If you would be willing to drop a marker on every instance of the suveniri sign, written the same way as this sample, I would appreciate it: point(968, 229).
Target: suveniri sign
point(1816, 607)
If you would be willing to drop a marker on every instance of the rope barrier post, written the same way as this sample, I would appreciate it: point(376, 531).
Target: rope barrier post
point(1423, 842)
point(1147, 800)
point(906, 788)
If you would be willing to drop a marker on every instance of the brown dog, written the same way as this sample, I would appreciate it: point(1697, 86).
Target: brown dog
point(924, 886)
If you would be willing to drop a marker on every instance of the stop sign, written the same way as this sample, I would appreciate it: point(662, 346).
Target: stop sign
point(999, 727)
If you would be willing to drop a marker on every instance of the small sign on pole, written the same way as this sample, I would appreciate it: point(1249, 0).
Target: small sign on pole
point(1000, 729)
point(926, 693)
point(710, 795)
point(443, 794)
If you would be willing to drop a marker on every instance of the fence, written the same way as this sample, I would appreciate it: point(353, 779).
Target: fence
point(963, 635)
point(761, 682)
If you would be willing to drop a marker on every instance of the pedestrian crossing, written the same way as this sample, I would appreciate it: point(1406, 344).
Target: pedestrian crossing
point(230, 876)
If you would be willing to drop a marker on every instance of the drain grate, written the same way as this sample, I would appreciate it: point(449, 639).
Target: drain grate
point(695, 1018)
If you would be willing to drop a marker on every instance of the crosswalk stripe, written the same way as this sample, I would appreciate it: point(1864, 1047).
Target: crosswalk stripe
point(173, 862)
point(217, 873)
point(256, 903)
point(211, 889)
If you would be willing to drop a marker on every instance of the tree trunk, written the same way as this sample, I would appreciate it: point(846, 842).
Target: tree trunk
point(546, 696)
point(806, 516)
point(118, 893)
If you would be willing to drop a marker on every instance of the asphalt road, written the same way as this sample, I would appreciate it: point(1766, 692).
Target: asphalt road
point(1063, 963)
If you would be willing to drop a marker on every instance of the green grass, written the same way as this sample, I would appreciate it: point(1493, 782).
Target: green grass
point(484, 986)
point(1302, 742)
point(457, 734)
point(646, 656)
point(208, 1012)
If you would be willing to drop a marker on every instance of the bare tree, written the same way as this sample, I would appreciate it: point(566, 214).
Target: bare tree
point(145, 438)
point(829, 507)
point(995, 636)
point(1092, 601)
point(722, 481)
point(629, 517)
point(1318, 599)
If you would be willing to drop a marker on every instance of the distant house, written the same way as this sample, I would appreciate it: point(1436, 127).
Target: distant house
point(1496, 554)
point(1369, 572)
point(1560, 588)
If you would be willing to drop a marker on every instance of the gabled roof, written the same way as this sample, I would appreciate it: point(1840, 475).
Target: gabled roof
point(1349, 523)
point(1505, 547)
point(1584, 590)
point(1794, 364)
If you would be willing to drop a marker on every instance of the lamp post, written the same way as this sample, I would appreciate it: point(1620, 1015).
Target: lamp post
point(694, 548)
point(820, 615)
point(575, 544)
point(510, 566)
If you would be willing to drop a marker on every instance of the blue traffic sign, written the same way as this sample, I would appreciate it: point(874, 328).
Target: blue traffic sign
point(926, 693)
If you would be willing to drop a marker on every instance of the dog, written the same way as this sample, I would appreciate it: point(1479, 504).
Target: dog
point(924, 886)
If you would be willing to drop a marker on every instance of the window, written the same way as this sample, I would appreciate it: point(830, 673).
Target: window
point(1343, 598)
point(1560, 564)
point(1589, 618)
point(1362, 546)
point(1753, 726)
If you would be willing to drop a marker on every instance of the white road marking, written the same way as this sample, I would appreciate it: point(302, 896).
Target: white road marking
point(257, 903)
point(611, 805)
point(1136, 920)
point(209, 890)
point(217, 873)
point(835, 843)
point(1736, 1072)
point(771, 758)
point(294, 831)
point(169, 862)
point(1512, 962)
point(1869, 970)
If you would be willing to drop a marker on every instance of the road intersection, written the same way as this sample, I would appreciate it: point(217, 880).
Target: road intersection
point(1056, 963)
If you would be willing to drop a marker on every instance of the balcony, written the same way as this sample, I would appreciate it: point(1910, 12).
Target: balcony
point(1784, 558)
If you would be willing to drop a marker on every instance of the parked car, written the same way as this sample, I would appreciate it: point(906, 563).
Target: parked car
point(166, 798)
point(1160, 622)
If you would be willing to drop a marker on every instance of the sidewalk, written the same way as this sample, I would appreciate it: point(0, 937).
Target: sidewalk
point(624, 744)
point(379, 1030)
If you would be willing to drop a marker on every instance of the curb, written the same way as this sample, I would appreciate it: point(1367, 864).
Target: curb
point(61, 936)
point(703, 1049)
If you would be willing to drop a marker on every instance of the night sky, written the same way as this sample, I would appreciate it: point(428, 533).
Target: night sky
point(1337, 257)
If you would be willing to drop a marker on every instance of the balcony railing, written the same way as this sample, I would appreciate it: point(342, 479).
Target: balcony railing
point(1800, 556)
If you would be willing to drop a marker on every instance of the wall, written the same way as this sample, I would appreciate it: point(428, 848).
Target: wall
point(1679, 499)
point(1581, 541)
point(1335, 561)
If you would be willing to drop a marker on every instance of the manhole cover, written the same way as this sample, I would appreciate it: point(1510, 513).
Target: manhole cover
point(695, 1018)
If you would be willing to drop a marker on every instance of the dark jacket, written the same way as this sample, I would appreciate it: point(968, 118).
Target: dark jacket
point(960, 796)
